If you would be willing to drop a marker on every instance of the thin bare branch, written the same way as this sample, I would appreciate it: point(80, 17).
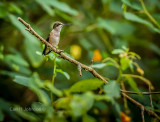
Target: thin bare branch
point(142, 114)
point(80, 70)
point(144, 93)
point(124, 98)
point(150, 112)
point(150, 96)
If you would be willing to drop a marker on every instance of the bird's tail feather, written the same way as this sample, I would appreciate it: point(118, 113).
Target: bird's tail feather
point(46, 51)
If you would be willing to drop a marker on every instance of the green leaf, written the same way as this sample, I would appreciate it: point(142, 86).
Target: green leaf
point(31, 48)
point(135, 18)
point(62, 103)
point(14, 8)
point(53, 89)
point(16, 59)
point(101, 105)
point(87, 118)
point(132, 4)
point(125, 63)
point(86, 85)
point(66, 17)
point(116, 27)
point(133, 85)
point(99, 66)
point(102, 97)
point(79, 104)
point(38, 107)
point(8, 73)
point(115, 6)
point(22, 80)
point(117, 51)
point(44, 4)
point(63, 73)
point(62, 6)
point(42, 95)
point(134, 54)
point(26, 114)
point(155, 48)
point(112, 89)
point(103, 24)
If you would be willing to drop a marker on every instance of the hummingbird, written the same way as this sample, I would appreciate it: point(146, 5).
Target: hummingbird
point(53, 37)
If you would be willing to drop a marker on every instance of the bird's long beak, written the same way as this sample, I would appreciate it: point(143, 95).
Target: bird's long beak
point(67, 24)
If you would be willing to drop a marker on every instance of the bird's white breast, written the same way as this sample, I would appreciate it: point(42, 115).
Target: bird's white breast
point(54, 37)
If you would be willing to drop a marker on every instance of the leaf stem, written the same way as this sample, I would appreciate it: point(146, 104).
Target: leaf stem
point(53, 77)
point(139, 77)
point(149, 15)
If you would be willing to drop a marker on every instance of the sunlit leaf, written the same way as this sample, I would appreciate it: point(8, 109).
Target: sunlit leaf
point(135, 55)
point(125, 63)
point(99, 66)
point(86, 85)
point(102, 97)
point(22, 80)
point(63, 73)
point(133, 85)
point(117, 51)
point(62, 103)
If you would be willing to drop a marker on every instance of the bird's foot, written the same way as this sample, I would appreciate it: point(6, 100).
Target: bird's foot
point(61, 51)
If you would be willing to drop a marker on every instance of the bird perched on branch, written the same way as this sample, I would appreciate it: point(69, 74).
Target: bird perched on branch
point(53, 37)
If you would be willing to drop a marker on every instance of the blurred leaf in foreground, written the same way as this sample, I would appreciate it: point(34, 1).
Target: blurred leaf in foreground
point(86, 85)
point(112, 85)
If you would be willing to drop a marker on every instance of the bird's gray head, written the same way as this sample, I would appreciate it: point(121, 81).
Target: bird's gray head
point(58, 26)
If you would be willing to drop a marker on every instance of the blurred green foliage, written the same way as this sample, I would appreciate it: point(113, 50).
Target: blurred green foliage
point(38, 88)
